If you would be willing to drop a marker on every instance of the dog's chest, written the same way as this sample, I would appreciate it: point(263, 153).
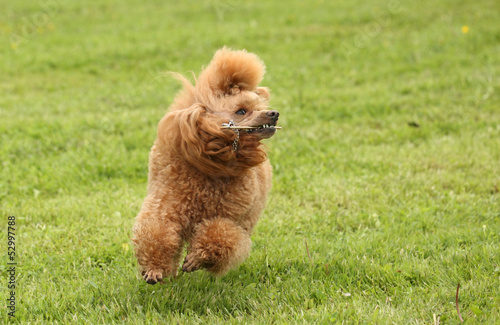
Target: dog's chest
point(207, 198)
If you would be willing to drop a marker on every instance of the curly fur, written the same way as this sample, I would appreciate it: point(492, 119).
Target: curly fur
point(200, 191)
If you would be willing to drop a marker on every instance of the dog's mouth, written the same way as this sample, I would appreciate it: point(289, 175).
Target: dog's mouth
point(263, 131)
point(261, 128)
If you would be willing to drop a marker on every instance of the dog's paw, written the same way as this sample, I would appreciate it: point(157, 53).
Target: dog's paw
point(153, 276)
point(191, 263)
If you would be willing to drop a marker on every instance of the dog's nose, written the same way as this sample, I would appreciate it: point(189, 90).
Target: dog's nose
point(273, 115)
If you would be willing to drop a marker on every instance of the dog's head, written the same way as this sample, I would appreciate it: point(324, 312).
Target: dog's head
point(226, 90)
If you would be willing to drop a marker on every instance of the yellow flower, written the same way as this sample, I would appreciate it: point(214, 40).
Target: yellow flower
point(465, 29)
point(125, 247)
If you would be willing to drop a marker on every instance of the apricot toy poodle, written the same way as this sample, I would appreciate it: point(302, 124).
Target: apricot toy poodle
point(209, 175)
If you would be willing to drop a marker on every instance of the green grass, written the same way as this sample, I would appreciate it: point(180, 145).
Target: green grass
point(394, 216)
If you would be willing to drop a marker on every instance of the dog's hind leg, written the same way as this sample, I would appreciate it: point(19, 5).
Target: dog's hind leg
point(218, 245)
point(158, 247)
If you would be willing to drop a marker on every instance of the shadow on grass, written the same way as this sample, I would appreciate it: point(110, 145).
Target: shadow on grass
point(241, 292)
point(202, 294)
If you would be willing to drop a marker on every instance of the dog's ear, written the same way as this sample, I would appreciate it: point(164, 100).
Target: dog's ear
point(196, 135)
point(229, 72)
point(263, 93)
point(177, 124)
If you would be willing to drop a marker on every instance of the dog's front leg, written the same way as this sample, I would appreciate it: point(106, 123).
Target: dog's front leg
point(218, 245)
point(158, 246)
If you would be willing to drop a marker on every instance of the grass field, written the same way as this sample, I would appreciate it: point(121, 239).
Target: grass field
point(388, 164)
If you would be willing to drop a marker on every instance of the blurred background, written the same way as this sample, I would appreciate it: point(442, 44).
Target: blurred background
point(388, 162)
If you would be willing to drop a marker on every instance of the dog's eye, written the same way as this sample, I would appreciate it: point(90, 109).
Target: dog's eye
point(241, 111)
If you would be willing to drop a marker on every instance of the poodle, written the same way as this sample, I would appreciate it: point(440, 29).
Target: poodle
point(209, 175)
